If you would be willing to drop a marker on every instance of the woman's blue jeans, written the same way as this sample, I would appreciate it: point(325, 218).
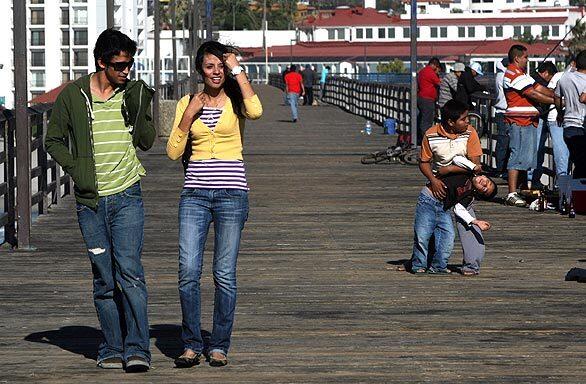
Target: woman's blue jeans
point(431, 219)
point(198, 208)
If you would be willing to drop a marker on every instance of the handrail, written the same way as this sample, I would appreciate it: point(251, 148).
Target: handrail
point(45, 171)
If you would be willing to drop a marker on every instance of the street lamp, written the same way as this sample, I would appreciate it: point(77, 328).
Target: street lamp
point(291, 50)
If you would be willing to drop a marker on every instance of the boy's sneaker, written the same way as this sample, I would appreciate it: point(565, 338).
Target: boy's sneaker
point(136, 364)
point(111, 363)
point(515, 200)
point(438, 271)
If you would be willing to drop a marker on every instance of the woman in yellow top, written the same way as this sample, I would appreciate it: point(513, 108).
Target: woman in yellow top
point(207, 133)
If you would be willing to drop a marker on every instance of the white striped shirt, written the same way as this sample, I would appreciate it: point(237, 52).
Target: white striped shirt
point(214, 173)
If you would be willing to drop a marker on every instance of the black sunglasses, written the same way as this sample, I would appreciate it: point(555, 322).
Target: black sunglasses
point(121, 65)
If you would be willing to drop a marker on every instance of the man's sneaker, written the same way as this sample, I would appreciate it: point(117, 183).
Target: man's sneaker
point(136, 364)
point(514, 199)
point(111, 363)
point(438, 271)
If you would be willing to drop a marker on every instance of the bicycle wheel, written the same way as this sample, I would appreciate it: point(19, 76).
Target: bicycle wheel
point(374, 157)
point(411, 156)
point(475, 120)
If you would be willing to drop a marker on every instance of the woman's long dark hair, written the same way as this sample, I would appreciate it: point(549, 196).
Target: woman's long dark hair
point(231, 87)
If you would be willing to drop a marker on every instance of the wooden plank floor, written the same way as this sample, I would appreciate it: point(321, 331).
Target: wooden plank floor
point(319, 299)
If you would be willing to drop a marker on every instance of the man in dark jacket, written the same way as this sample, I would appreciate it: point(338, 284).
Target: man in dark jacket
point(467, 84)
point(105, 117)
point(308, 75)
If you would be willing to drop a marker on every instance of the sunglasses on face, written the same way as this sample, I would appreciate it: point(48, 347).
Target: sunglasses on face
point(121, 65)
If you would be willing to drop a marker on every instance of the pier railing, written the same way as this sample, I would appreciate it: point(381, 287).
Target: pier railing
point(49, 183)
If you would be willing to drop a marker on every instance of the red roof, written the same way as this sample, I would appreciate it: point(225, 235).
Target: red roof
point(49, 97)
point(350, 50)
point(357, 17)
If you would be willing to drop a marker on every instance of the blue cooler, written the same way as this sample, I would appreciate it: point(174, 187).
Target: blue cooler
point(389, 126)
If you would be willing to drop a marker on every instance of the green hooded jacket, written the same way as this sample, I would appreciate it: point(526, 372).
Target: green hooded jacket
point(72, 118)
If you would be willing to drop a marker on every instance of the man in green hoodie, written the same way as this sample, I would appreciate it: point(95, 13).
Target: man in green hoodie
point(105, 117)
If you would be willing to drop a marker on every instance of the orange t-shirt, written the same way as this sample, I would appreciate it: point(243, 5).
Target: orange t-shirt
point(440, 147)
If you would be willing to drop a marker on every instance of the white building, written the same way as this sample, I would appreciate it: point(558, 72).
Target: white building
point(60, 39)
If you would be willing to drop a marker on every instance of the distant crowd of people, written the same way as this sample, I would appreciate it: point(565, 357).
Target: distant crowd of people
point(299, 82)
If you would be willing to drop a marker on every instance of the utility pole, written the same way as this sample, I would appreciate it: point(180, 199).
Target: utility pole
point(110, 13)
point(156, 109)
point(413, 29)
point(23, 132)
point(174, 48)
point(264, 40)
point(209, 20)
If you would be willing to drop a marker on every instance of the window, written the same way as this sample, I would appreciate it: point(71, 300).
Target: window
point(65, 57)
point(80, 58)
point(555, 30)
point(65, 37)
point(78, 74)
point(489, 31)
point(527, 30)
point(359, 33)
point(391, 33)
point(80, 37)
point(471, 31)
point(37, 37)
point(444, 32)
point(331, 34)
point(369, 33)
point(37, 16)
point(37, 1)
point(545, 30)
point(37, 58)
point(80, 16)
point(433, 32)
point(38, 78)
point(406, 32)
point(461, 32)
point(381, 33)
point(499, 31)
point(65, 76)
point(517, 31)
point(64, 16)
point(341, 33)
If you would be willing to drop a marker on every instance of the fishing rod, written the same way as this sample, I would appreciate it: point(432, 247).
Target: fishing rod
point(563, 39)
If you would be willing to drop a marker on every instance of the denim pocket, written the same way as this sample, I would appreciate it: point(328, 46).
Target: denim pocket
point(133, 191)
point(80, 207)
point(233, 192)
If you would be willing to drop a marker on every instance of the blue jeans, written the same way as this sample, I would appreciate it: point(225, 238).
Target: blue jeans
point(431, 219)
point(534, 174)
point(114, 236)
point(228, 209)
point(502, 143)
point(561, 154)
point(293, 101)
point(523, 146)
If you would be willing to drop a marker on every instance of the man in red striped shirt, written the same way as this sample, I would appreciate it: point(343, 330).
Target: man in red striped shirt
point(521, 119)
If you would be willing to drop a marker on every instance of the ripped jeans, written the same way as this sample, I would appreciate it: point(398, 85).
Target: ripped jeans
point(113, 234)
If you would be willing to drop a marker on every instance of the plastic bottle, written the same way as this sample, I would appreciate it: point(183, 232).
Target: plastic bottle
point(368, 128)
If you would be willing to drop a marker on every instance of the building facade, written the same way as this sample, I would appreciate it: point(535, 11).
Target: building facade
point(60, 39)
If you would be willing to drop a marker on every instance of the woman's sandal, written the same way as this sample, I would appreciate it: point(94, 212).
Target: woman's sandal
point(184, 361)
point(218, 359)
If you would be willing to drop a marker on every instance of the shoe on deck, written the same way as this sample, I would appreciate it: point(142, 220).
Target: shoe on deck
point(137, 364)
point(438, 271)
point(515, 200)
point(111, 363)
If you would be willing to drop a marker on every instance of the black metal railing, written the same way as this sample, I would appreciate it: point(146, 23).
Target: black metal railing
point(46, 175)
point(379, 101)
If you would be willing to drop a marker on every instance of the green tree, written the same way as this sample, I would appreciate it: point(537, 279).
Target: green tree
point(395, 66)
point(578, 41)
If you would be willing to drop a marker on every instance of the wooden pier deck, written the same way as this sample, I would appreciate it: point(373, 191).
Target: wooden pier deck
point(319, 298)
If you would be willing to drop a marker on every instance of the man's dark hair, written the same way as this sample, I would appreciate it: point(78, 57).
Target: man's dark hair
point(547, 66)
point(293, 68)
point(434, 61)
point(452, 110)
point(328, 67)
point(111, 43)
point(515, 51)
point(494, 192)
point(581, 60)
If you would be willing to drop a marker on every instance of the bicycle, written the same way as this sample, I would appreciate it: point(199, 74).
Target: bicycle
point(476, 121)
point(403, 153)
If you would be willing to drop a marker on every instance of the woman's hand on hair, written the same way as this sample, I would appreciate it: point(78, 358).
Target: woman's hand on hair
point(230, 61)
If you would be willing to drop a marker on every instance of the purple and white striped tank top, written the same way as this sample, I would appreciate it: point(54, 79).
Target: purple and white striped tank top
point(214, 173)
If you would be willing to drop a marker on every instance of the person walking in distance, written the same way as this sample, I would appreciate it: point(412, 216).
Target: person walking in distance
point(449, 84)
point(308, 75)
point(294, 88)
point(106, 116)
point(325, 71)
point(428, 82)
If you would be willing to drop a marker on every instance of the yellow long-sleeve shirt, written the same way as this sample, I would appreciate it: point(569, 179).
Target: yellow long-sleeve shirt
point(224, 142)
